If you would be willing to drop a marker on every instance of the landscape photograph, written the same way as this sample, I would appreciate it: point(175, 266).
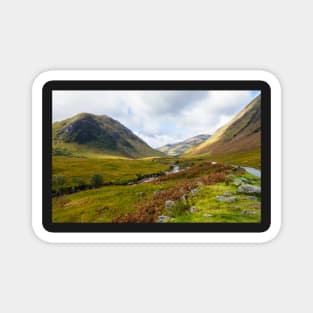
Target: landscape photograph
point(151, 156)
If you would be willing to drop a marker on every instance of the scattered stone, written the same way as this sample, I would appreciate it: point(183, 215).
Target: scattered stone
point(199, 183)
point(184, 198)
point(194, 191)
point(156, 192)
point(247, 212)
point(252, 198)
point(193, 209)
point(213, 163)
point(225, 199)
point(244, 179)
point(249, 189)
point(237, 182)
point(207, 215)
point(236, 208)
point(163, 219)
point(169, 204)
point(227, 193)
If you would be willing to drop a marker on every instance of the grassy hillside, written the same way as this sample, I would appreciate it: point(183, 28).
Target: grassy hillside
point(88, 135)
point(240, 136)
point(242, 158)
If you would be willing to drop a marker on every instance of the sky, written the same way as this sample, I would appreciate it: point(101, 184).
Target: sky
point(157, 117)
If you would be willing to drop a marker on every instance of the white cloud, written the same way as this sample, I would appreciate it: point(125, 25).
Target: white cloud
point(158, 117)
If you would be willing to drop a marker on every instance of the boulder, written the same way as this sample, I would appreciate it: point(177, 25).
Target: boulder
point(184, 198)
point(169, 204)
point(156, 192)
point(247, 212)
point(237, 182)
point(193, 209)
point(207, 215)
point(246, 188)
point(225, 199)
point(252, 198)
point(194, 191)
point(163, 219)
point(228, 193)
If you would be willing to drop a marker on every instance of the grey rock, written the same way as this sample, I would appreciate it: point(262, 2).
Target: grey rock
point(252, 198)
point(207, 215)
point(246, 188)
point(225, 199)
point(228, 193)
point(193, 209)
point(156, 192)
point(194, 191)
point(247, 212)
point(169, 204)
point(163, 219)
point(237, 182)
point(184, 198)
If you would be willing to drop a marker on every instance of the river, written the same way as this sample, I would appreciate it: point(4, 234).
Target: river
point(252, 171)
point(173, 170)
point(177, 169)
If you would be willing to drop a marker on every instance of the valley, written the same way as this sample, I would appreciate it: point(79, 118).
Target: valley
point(201, 191)
point(103, 173)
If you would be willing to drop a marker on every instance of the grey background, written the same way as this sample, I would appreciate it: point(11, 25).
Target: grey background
point(41, 35)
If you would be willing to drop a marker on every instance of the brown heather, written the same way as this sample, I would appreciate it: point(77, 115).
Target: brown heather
point(148, 209)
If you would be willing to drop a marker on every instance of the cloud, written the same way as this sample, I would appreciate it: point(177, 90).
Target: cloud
point(158, 117)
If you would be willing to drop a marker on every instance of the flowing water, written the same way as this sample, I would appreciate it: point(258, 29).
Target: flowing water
point(174, 169)
point(253, 171)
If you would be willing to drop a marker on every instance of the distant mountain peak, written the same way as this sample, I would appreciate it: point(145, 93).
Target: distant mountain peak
point(241, 133)
point(102, 134)
point(178, 148)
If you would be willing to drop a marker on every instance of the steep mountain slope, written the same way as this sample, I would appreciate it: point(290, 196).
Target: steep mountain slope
point(241, 134)
point(181, 147)
point(97, 134)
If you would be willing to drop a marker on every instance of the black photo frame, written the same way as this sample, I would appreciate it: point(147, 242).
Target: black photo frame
point(50, 86)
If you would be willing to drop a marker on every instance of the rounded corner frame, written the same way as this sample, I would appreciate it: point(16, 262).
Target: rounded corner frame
point(271, 232)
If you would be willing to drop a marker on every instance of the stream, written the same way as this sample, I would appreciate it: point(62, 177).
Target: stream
point(252, 171)
point(177, 169)
point(173, 170)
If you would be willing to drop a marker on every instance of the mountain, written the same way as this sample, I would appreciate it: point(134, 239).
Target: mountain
point(181, 147)
point(241, 134)
point(97, 134)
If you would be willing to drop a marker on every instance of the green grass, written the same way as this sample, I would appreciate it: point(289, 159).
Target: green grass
point(83, 151)
point(251, 159)
point(222, 212)
point(108, 202)
point(78, 171)
point(102, 204)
